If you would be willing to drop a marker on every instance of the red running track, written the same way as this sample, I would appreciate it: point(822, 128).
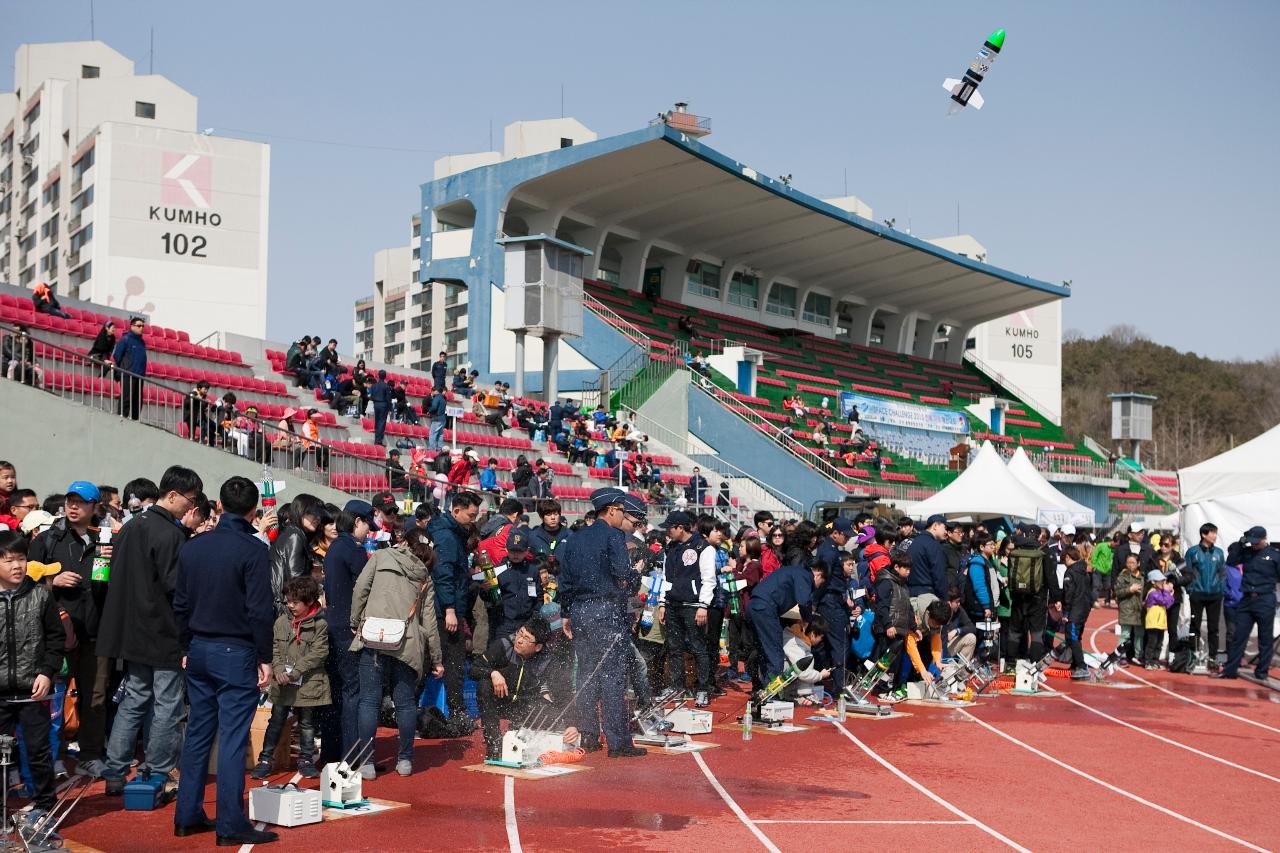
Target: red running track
point(1022, 773)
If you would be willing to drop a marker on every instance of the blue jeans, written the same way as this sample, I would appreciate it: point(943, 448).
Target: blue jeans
point(379, 421)
point(222, 686)
point(404, 692)
point(436, 441)
point(152, 697)
point(768, 627)
point(338, 721)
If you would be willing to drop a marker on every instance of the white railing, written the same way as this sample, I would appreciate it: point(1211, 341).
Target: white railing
point(682, 445)
point(1012, 386)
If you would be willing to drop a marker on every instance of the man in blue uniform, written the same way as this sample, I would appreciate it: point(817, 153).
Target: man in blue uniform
point(1261, 564)
point(380, 396)
point(831, 549)
point(783, 589)
point(520, 587)
point(595, 577)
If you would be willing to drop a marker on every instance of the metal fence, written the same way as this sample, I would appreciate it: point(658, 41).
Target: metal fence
point(273, 443)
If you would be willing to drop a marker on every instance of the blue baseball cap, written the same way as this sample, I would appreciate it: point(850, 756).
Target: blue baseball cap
point(360, 509)
point(84, 490)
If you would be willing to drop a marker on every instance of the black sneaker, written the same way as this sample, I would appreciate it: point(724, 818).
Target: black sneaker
point(628, 751)
point(307, 769)
point(261, 770)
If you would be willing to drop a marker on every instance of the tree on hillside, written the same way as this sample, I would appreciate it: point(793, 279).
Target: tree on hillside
point(1204, 407)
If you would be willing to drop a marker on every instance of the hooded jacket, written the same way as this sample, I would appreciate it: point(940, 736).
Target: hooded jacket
point(305, 650)
point(393, 583)
point(32, 636)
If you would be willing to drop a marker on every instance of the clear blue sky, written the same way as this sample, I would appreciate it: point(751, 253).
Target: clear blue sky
point(1129, 147)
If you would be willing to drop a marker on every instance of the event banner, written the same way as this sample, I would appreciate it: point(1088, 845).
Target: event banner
point(882, 411)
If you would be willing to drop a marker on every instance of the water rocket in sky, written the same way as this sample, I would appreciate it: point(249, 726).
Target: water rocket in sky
point(965, 90)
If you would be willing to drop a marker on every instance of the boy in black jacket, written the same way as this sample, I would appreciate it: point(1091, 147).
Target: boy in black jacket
point(1077, 601)
point(514, 681)
point(33, 641)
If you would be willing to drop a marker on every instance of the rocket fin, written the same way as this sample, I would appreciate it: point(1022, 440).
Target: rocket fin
point(952, 85)
point(975, 101)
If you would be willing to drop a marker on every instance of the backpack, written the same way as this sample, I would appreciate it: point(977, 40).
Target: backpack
point(1026, 570)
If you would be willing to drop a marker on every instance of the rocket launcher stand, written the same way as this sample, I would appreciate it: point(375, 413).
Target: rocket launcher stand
point(1029, 676)
point(651, 720)
point(341, 783)
point(771, 690)
point(1099, 674)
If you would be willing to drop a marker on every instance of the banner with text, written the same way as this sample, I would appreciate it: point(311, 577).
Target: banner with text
point(881, 411)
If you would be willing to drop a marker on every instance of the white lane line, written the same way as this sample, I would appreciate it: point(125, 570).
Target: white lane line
point(1171, 742)
point(1093, 644)
point(737, 809)
point(878, 822)
point(955, 810)
point(509, 806)
point(1121, 791)
point(261, 825)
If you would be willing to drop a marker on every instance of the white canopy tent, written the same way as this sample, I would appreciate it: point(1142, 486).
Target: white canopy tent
point(986, 489)
point(1234, 490)
point(1055, 508)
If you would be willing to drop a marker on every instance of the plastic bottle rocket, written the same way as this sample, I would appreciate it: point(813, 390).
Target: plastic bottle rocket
point(657, 583)
point(734, 589)
point(489, 577)
point(101, 565)
point(964, 92)
point(268, 489)
point(782, 679)
point(746, 722)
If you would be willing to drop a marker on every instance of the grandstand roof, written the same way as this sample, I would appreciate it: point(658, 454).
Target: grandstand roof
point(690, 199)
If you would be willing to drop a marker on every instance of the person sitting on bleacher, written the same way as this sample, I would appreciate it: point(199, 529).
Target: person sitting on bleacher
point(46, 302)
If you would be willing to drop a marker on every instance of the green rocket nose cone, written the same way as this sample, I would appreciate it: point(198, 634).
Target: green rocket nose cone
point(997, 39)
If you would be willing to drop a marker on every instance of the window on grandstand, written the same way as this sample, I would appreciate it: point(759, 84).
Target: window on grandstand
point(703, 279)
point(144, 109)
point(817, 309)
point(88, 72)
point(611, 276)
point(782, 300)
point(744, 291)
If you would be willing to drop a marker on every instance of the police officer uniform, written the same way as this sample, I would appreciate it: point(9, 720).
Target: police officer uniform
point(783, 589)
point(595, 577)
point(1257, 605)
point(520, 587)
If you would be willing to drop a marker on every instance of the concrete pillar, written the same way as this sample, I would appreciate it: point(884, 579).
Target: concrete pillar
point(926, 329)
point(634, 257)
point(899, 332)
point(519, 389)
point(550, 367)
point(860, 327)
point(954, 350)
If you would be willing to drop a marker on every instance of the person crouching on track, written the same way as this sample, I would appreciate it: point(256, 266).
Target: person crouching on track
point(514, 682)
point(1077, 601)
point(785, 588)
point(800, 641)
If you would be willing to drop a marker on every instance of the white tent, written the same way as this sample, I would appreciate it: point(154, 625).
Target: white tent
point(1055, 507)
point(985, 489)
point(1234, 490)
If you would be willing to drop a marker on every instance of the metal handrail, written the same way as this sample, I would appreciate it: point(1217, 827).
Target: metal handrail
point(100, 385)
point(1009, 385)
point(681, 445)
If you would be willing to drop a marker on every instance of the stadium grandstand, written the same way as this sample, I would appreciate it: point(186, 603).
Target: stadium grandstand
point(729, 317)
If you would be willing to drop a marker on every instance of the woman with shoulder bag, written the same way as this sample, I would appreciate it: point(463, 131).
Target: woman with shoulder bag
point(393, 616)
